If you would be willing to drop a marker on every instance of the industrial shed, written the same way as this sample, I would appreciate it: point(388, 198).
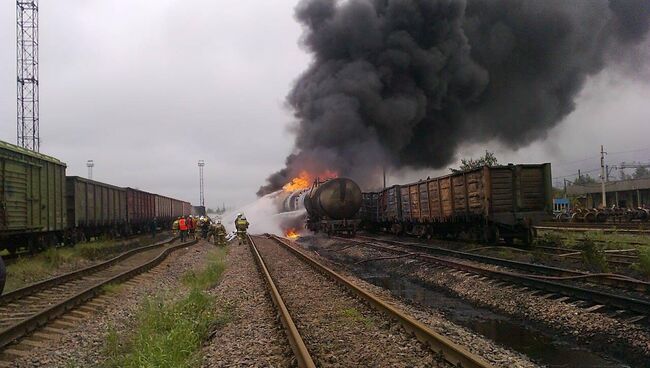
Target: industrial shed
point(632, 193)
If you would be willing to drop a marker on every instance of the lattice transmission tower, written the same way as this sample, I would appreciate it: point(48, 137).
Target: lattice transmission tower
point(27, 68)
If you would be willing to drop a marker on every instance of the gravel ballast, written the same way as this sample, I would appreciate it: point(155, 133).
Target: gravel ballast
point(338, 329)
point(83, 345)
point(253, 337)
point(627, 341)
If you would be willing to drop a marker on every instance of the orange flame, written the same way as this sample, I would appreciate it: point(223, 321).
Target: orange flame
point(292, 234)
point(305, 179)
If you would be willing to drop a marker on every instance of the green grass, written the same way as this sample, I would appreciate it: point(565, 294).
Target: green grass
point(613, 240)
point(354, 315)
point(593, 255)
point(112, 288)
point(54, 261)
point(209, 277)
point(170, 334)
point(27, 270)
point(643, 264)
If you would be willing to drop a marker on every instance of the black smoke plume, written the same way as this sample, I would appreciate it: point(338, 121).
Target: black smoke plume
point(405, 82)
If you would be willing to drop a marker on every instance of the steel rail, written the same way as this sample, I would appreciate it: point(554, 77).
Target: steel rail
point(450, 351)
point(22, 328)
point(592, 227)
point(623, 282)
point(295, 340)
point(10, 258)
point(56, 280)
point(619, 301)
point(643, 225)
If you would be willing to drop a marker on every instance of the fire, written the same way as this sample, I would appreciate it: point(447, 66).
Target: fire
point(305, 179)
point(292, 234)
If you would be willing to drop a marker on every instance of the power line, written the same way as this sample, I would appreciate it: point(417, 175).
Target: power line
point(576, 174)
point(566, 163)
point(630, 151)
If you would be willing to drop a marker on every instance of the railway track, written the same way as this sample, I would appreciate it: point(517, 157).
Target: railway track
point(620, 258)
point(51, 303)
point(10, 258)
point(554, 281)
point(450, 352)
point(631, 228)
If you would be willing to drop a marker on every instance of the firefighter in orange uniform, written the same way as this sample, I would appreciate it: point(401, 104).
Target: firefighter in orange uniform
point(182, 226)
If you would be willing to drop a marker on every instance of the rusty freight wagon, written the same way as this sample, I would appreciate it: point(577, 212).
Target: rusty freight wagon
point(32, 198)
point(483, 204)
point(369, 206)
point(140, 209)
point(187, 208)
point(94, 208)
point(177, 208)
point(164, 211)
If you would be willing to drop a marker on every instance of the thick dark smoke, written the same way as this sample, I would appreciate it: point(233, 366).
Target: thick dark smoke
point(405, 82)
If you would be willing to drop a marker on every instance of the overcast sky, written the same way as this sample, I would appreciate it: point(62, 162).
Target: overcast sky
point(146, 88)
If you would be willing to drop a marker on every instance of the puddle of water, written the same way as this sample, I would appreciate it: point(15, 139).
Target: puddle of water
point(539, 346)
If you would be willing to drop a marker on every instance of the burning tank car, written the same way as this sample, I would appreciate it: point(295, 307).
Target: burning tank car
point(332, 206)
point(484, 204)
point(41, 207)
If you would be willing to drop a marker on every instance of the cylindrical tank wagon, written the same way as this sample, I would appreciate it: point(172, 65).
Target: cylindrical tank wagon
point(333, 205)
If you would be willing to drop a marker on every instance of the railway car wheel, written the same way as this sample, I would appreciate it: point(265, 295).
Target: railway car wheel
point(576, 217)
point(490, 234)
point(590, 217)
point(529, 237)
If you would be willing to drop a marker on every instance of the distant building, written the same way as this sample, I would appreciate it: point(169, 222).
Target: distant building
point(560, 205)
point(631, 193)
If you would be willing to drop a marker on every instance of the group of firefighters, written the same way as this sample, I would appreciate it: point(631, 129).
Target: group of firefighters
point(189, 226)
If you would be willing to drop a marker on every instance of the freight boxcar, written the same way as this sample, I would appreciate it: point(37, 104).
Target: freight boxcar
point(164, 211)
point(369, 211)
point(94, 208)
point(32, 198)
point(482, 204)
point(187, 208)
point(140, 209)
point(177, 208)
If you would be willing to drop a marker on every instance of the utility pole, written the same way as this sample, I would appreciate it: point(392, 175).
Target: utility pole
point(90, 164)
point(602, 176)
point(201, 193)
point(27, 74)
point(384, 177)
